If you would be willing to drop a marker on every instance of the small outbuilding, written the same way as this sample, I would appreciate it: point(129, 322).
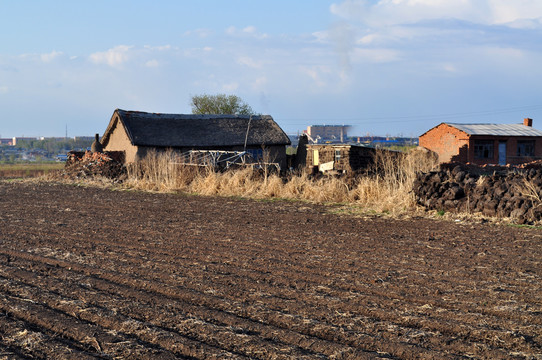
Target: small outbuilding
point(343, 158)
point(136, 133)
point(484, 143)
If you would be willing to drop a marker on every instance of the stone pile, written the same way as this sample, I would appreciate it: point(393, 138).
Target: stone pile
point(514, 193)
point(90, 164)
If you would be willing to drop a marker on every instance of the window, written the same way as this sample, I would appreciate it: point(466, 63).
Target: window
point(483, 149)
point(257, 154)
point(525, 147)
point(337, 155)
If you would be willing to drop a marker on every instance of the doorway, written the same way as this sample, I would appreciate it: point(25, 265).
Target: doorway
point(315, 158)
point(502, 152)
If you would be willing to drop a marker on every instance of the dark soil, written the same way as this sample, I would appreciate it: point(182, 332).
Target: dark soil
point(92, 273)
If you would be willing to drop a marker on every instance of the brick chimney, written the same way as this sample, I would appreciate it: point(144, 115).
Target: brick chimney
point(528, 122)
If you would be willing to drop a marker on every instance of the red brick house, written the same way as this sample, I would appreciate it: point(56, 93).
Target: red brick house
point(484, 143)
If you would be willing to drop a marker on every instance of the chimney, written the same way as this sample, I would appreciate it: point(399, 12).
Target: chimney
point(528, 122)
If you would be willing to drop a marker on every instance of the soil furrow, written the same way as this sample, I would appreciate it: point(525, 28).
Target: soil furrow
point(405, 323)
point(316, 329)
point(163, 311)
point(261, 279)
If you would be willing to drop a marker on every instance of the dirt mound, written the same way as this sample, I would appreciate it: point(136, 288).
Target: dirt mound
point(109, 164)
point(506, 192)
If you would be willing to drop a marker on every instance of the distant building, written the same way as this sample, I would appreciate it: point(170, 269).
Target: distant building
point(6, 141)
point(83, 138)
point(323, 133)
point(15, 139)
point(484, 143)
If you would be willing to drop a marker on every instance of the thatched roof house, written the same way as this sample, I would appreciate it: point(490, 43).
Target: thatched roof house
point(136, 132)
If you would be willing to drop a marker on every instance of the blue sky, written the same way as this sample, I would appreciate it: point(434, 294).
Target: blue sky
point(396, 67)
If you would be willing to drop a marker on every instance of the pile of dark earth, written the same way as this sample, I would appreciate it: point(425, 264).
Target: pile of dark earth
point(513, 193)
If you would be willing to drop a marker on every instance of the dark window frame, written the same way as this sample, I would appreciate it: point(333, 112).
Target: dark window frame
point(484, 149)
point(526, 148)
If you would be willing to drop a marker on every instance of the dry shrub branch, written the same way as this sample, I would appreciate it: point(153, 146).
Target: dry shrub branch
point(385, 187)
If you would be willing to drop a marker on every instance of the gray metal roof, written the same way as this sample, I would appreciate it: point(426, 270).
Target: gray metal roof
point(497, 129)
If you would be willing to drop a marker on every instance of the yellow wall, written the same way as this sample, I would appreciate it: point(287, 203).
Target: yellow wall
point(119, 141)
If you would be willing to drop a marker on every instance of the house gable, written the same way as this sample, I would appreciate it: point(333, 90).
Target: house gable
point(117, 139)
point(448, 142)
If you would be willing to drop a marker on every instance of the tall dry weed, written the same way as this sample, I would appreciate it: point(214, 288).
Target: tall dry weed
point(389, 187)
point(386, 187)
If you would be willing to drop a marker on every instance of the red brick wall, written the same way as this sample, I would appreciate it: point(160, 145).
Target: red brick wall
point(449, 143)
point(511, 149)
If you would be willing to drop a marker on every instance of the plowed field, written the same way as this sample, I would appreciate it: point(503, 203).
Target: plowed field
point(90, 273)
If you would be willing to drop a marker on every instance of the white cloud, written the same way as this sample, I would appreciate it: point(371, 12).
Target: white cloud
point(50, 56)
point(250, 30)
point(505, 53)
point(246, 31)
point(152, 63)
point(318, 74)
point(112, 57)
point(230, 87)
point(250, 62)
point(201, 33)
point(517, 13)
point(4, 89)
point(375, 55)
point(450, 68)
point(260, 83)
point(368, 39)
point(231, 30)
point(395, 12)
point(321, 36)
point(159, 48)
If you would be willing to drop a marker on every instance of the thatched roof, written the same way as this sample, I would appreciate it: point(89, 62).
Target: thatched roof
point(179, 130)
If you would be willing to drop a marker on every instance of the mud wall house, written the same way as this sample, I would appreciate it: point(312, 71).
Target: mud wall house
point(340, 158)
point(484, 143)
point(136, 133)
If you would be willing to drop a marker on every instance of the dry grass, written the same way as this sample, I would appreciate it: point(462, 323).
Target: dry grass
point(24, 170)
point(391, 188)
point(387, 187)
